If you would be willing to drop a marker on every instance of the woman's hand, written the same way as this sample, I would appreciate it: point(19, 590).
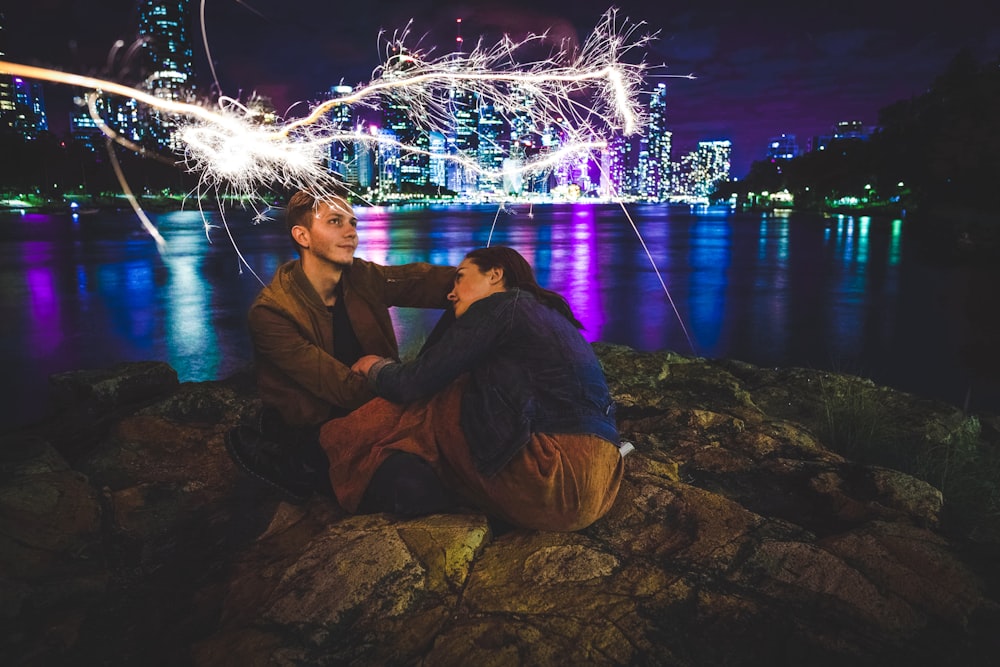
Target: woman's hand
point(364, 364)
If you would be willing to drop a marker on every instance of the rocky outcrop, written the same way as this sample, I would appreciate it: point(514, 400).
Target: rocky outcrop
point(738, 538)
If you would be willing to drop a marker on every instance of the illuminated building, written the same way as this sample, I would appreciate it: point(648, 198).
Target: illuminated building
point(782, 147)
point(438, 164)
point(697, 173)
point(413, 167)
point(364, 161)
point(523, 138)
point(168, 61)
point(7, 100)
point(849, 129)
point(845, 129)
point(22, 102)
point(27, 117)
point(642, 166)
point(343, 154)
point(387, 162)
point(123, 115)
point(622, 171)
point(656, 176)
point(463, 140)
point(491, 150)
point(613, 166)
point(84, 130)
point(524, 144)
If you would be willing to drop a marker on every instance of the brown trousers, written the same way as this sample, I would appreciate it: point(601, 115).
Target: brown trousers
point(559, 482)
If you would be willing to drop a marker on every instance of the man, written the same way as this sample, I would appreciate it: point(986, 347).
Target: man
point(320, 314)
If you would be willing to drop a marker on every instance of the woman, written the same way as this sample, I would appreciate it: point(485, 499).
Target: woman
point(509, 407)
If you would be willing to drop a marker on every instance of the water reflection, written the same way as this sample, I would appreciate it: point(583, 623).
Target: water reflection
point(843, 293)
point(711, 250)
point(188, 337)
point(44, 316)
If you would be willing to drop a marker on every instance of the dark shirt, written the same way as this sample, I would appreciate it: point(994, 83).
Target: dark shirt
point(347, 348)
point(530, 371)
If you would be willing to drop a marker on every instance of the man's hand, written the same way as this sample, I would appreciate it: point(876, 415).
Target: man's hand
point(364, 364)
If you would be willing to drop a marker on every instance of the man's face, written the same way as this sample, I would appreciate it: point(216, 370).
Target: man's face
point(333, 235)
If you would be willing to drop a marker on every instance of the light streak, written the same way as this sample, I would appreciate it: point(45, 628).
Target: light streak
point(232, 153)
point(55, 76)
point(111, 136)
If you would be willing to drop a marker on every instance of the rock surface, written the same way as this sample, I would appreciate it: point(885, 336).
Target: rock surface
point(128, 537)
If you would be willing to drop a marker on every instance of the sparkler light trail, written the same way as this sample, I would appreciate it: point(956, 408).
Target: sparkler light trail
point(495, 74)
point(588, 95)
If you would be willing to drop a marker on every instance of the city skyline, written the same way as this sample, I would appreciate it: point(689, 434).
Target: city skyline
point(760, 73)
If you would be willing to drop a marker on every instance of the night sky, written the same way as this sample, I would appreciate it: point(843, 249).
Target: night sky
point(762, 68)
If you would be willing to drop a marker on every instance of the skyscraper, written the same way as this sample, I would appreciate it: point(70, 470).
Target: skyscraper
point(22, 103)
point(343, 154)
point(845, 129)
point(168, 62)
point(6, 85)
point(849, 129)
point(782, 147)
point(28, 118)
point(463, 141)
point(657, 175)
point(711, 165)
point(413, 171)
point(492, 145)
point(697, 173)
point(438, 174)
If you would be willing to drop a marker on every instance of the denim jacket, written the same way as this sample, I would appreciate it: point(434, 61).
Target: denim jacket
point(530, 371)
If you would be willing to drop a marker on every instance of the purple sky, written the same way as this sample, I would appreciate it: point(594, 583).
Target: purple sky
point(762, 68)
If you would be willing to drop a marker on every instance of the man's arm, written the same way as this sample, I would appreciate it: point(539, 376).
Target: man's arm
point(279, 340)
point(418, 285)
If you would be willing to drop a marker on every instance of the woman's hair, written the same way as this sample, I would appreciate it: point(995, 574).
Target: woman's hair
point(518, 273)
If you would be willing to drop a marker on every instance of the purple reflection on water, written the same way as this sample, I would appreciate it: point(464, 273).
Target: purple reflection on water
point(583, 288)
point(710, 255)
point(46, 327)
point(564, 252)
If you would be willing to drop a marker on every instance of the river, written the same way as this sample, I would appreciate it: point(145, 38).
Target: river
point(848, 294)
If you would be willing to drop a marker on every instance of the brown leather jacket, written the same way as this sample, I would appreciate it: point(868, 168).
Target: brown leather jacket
point(292, 333)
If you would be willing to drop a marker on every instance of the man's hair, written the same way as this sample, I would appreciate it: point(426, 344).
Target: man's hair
point(302, 205)
point(517, 273)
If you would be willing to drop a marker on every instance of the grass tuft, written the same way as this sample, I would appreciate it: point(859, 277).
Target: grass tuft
point(858, 423)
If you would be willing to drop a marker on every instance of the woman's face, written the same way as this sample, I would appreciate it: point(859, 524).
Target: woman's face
point(471, 285)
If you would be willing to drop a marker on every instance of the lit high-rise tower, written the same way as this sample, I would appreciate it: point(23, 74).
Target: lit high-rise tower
point(22, 103)
point(343, 154)
point(783, 147)
point(28, 117)
point(414, 167)
point(492, 145)
point(711, 165)
point(6, 85)
point(462, 139)
point(658, 156)
point(168, 61)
